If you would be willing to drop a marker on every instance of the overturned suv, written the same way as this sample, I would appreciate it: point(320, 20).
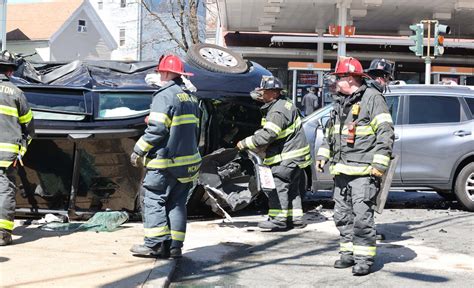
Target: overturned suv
point(88, 116)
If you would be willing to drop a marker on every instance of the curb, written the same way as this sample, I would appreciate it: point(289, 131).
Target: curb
point(161, 274)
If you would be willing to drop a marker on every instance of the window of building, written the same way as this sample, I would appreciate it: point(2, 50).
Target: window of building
point(122, 37)
point(100, 4)
point(81, 26)
point(470, 103)
point(434, 109)
point(123, 3)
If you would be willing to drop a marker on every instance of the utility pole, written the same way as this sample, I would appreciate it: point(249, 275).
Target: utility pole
point(3, 30)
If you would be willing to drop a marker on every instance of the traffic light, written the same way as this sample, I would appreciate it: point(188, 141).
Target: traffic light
point(417, 36)
point(439, 38)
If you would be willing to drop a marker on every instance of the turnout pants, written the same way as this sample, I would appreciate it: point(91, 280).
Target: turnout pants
point(164, 208)
point(354, 198)
point(285, 201)
point(7, 199)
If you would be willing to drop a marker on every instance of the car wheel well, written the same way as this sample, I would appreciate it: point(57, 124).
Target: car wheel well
point(469, 159)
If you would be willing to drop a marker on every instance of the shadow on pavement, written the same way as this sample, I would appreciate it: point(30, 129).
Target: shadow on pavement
point(31, 234)
point(156, 277)
point(389, 253)
point(421, 277)
point(239, 257)
point(4, 259)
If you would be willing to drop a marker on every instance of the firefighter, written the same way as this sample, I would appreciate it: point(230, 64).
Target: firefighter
point(381, 71)
point(172, 161)
point(16, 126)
point(358, 146)
point(287, 153)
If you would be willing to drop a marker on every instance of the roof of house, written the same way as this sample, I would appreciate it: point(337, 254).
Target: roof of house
point(38, 21)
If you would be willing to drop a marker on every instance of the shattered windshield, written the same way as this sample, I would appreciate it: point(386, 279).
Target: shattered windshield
point(123, 105)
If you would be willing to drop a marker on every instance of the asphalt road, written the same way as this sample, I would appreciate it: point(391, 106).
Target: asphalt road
point(429, 244)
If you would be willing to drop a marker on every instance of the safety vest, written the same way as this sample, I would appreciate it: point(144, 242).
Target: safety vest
point(283, 133)
point(171, 139)
point(15, 117)
point(359, 134)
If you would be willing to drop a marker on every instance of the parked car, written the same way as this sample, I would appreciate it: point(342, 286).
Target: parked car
point(88, 116)
point(434, 128)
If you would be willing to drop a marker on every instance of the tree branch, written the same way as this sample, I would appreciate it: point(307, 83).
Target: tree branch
point(181, 20)
point(183, 45)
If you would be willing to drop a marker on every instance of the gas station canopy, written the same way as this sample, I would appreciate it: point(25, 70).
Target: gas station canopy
point(370, 17)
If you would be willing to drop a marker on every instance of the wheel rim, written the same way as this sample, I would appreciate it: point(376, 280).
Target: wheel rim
point(218, 57)
point(470, 186)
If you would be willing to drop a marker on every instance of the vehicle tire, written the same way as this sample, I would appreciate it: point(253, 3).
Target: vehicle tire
point(464, 187)
point(216, 59)
point(447, 195)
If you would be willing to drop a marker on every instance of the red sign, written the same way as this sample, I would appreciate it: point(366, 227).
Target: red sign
point(335, 30)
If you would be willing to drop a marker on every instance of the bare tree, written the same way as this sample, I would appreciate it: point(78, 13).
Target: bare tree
point(185, 17)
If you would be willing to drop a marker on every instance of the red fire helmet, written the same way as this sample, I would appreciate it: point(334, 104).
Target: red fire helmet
point(349, 66)
point(172, 63)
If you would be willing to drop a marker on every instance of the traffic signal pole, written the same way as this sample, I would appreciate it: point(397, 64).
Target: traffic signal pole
point(418, 38)
point(427, 57)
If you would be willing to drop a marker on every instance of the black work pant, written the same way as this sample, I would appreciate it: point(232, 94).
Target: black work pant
point(354, 198)
point(285, 201)
point(164, 208)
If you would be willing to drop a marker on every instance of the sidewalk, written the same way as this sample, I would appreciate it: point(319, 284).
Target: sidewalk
point(82, 259)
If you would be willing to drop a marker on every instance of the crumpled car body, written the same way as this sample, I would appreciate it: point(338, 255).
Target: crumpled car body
point(88, 116)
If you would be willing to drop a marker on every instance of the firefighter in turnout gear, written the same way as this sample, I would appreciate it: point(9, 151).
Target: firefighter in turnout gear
point(381, 71)
point(358, 145)
point(172, 161)
point(286, 152)
point(16, 126)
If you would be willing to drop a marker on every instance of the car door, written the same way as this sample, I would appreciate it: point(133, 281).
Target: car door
point(433, 138)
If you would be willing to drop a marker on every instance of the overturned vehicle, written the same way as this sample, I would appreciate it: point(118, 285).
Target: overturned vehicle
point(88, 116)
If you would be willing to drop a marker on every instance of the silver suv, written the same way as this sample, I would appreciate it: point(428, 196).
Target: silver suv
point(434, 127)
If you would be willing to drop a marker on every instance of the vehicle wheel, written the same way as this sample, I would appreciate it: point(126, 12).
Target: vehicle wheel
point(447, 195)
point(216, 59)
point(464, 187)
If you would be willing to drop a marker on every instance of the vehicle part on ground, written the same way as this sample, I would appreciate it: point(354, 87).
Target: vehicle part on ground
point(464, 187)
point(232, 176)
point(385, 184)
point(216, 58)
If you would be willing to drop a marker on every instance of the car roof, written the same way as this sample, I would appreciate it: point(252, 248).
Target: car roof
point(436, 89)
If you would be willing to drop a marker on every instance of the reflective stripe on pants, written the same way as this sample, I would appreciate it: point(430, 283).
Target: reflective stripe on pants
point(354, 198)
point(164, 208)
point(284, 202)
point(7, 198)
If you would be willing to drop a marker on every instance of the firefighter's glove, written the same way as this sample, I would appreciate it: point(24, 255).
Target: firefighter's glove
point(136, 160)
point(240, 146)
point(320, 165)
point(377, 173)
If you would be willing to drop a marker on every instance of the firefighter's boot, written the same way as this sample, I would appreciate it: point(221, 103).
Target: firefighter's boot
point(360, 269)
point(142, 250)
point(346, 261)
point(273, 225)
point(5, 238)
point(298, 224)
point(166, 251)
point(176, 252)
